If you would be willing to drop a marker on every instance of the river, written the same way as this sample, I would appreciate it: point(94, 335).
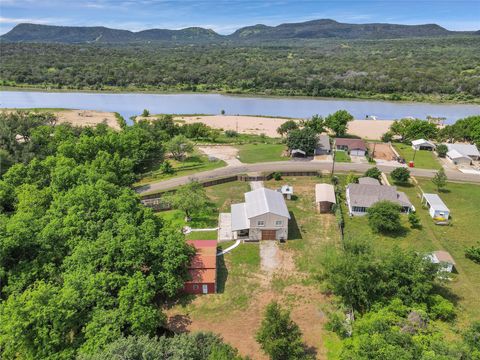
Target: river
point(133, 104)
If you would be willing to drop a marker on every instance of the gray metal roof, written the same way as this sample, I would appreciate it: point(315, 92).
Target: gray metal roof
point(464, 149)
point(365, 195)
point(325, 192)
point(422, 142)
point(435, 202)
point(368, 180)
point(323, 142)
point(239, 217)
point(262, 201)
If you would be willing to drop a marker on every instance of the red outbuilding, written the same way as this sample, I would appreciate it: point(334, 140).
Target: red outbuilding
point(203, 268)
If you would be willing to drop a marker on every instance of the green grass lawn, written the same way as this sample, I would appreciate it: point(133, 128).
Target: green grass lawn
point(424, 159)
point(342, 156)
point(463, 200)
point(253, 153)
point(195, 163)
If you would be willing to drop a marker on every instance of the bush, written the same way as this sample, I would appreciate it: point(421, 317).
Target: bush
point(441, 308)
point(373, 172)
point(167, 168)
point(231, 133)
point(145, 113)
point(384, 216)
point(473, 253)
point(400, 174)
point(414, 220)
point(277, 176)
point(352, 178)
point(442, 150)
point(387, 137)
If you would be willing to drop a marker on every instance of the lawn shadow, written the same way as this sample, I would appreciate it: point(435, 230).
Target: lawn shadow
point(310, 350)
point(293, 229)
point(404, 184)
point(402, 232)
point(222, 274)
point(445, 191)
point(447, 293)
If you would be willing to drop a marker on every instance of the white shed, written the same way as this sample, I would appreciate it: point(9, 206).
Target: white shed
point(436, 207)
point(443, 258)
point(458, 158)
point(287, 191)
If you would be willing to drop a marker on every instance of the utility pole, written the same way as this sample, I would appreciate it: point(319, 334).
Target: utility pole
point(333, 163)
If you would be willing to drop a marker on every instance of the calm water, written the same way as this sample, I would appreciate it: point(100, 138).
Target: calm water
point(133, 104)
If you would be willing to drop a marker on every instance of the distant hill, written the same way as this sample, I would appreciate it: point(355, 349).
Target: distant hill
point(315, 29)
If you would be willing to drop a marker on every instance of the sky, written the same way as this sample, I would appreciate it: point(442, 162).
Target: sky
point(225, 16)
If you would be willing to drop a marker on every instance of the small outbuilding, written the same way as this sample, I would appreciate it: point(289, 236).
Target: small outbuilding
point(287, 191)
point(203, 268)
point(444, 259)
point(324, 197)
point(436, 207)
point(298, 153)
point(422, 144)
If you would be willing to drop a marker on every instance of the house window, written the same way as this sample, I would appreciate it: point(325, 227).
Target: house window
point(195, 287)
point(261, 223)
point(278, 223)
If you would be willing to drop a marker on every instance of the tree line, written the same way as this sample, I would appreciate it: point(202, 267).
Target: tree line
point(442, 69)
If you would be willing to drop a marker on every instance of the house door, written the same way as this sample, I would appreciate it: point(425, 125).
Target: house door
point(204, 289)
point(269, 234)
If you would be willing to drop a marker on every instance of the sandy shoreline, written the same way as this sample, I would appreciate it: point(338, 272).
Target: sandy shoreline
point(84, 118)
point(368, 129)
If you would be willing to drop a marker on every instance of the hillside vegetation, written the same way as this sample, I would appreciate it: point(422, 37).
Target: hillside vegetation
point(420, 69)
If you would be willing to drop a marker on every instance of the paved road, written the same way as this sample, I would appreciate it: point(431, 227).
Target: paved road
point(293, 166)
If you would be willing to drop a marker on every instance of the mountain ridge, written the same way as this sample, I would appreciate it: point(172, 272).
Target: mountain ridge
point(313, 29)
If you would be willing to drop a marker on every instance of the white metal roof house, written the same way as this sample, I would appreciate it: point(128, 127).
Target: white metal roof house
point(422, 144)
point(436, 207)
point(360, 197)
point(324, 197)
point(443, 258)
point(462, 153)
point(263, 216)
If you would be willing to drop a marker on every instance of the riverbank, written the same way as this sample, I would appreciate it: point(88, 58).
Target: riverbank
point(398, 98)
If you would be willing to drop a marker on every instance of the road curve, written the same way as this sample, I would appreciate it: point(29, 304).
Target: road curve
point(292, 166)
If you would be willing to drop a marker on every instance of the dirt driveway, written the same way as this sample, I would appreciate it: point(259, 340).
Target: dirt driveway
point(222, 152)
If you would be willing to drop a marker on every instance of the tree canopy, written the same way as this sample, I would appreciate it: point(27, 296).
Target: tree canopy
point(82, 261)
point(338, 122)
point(384, 216)
point(304, 139)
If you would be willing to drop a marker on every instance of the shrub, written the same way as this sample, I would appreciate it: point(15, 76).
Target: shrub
point(167, 168)
point(222, 112)
point(277, 176)
point(442, 150)
point(384, 216)
point(373, 172)
point(352, 178)
point(387, 137)
point(231, 133)
point(473, 253)
point(414, 220)
point(441, 308)
point(400, 174)
point(145, 113)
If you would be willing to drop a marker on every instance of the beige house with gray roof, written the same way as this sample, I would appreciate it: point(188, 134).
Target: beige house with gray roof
point(360, 197)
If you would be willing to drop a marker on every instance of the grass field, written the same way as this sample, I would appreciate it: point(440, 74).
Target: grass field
point(253, 153)
point(463, 200)
point(424, 159)
point(195, 163)
point(342, 156)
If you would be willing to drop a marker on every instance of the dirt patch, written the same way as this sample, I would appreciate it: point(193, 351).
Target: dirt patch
point(225, 153)
point(369, 129)
point(87, 118)
point(381, 151)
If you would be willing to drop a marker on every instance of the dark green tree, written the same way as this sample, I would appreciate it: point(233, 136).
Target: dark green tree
point(441, 150)
point(400, 174)
point(287, 126)
point(373, 172)
point(338, 122)
point(384, 216)
point(279, 337)
point(304, 139)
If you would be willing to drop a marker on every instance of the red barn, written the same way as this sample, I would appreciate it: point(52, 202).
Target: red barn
point(203, 268)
